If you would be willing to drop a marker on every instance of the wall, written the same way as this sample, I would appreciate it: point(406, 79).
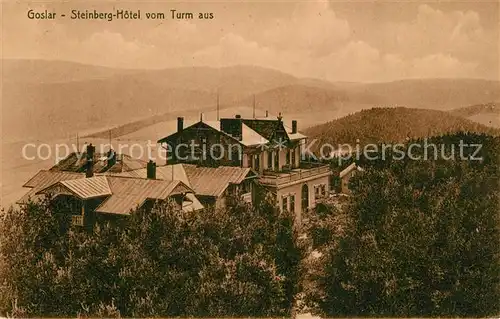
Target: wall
point(297, 190)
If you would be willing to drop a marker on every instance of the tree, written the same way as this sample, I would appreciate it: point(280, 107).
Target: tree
point(242, 261)
point(424, 240)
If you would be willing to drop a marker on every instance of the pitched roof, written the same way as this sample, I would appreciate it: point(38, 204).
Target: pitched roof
point(166, 172)
point(250, 137)
point(206, 181)
point(86, 188)
point(76, 162)
point(124, 193)
point(293, 136)
point(44, 179)
point(254, 131)
point(349, 169)
point(211, 181)
point(130, 193)
point(263, 127)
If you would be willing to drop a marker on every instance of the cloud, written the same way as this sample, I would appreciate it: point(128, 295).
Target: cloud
point(310, 40)
point(233, 49)
point(441, 66)
point(435, 32)
point(109, 47)
point(312, 27)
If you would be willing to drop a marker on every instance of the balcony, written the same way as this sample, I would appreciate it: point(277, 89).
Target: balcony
point(246, 197)
point(234, 199)
point(77, 220)
point(306, 171)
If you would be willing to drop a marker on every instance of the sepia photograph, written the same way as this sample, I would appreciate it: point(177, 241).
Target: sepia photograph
point(303, 159)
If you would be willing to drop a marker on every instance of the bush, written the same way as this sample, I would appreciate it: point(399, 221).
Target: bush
point(424, 240)
point(163, 262)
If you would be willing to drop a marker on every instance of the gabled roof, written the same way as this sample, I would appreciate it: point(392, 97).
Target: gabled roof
point(263, 127)
point(267, 127)
point(44, 179)
point(293, 136)
point(205, 181)
point(214, 125)
point(349, 169)
point(211, 181)
point(76, 162)
point(130, 193)
point(250, 137)
point(166, 172)
point(123, 193)
point(86, 188)
point(254, 131)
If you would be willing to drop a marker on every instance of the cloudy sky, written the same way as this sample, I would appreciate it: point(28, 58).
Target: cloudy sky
point(337, 40)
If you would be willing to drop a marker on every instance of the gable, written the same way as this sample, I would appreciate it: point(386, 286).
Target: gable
point(56, 189)
point(197, 130)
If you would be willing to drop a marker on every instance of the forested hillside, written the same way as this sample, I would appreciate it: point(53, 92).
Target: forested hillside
point(388, 125)
point(477, 109)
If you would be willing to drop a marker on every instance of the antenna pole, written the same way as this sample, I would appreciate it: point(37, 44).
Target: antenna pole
point(77, 143)
point(217, 104)
point(254, 106)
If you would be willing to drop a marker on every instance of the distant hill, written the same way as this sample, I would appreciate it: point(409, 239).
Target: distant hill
point(51, 110)
point(487, 114)
point(293, 98)
point(48, 71)
point(440, 94)
point(312, 95)
point(45, 99)
point(391, 125)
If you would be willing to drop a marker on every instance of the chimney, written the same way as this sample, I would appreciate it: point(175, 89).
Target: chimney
point(294, 126)
point(151, 170)
point(180, 124)
point(237, 116)
point(201, 117)
point(279, 117)
point(267, 113)
point(90, 151)
point(89, 169)
point(111, 158)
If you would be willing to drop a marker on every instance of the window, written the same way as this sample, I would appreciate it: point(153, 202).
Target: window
point(285, 203)
point(319, 191)
point(256, 162)
point(288, 157)
point(292, 203)
point(269, 160)
point(293, 151)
